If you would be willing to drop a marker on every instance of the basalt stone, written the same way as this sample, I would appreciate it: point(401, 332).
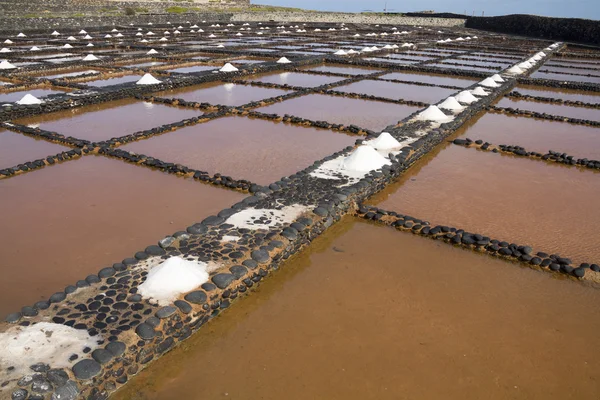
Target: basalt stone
point(86, 369)
point(91, 279)
point(155, 250)
point(595, 267)
point(226, 213)
point(213, 220)
point(70, 289)
point(166, 242)
point(223, 280)
point(41, 305)
point(57, 377)
point(39, 367)
point(68, 391)
point(29, 311)
point(260, 256)
point(145, 331)
point(196, 297)
point(250, 264)
point(106, 272)
point(166, 312)
point(579, 272)
point(102, 356)
point(58, 297)
point(153, 321)
point(289, 233)
point(183, 306)
point(321, 212)
point(165, 345)
point(208, 286)
point(19, 394)
point(238, 271)
point(140, 255)
point(197, 229)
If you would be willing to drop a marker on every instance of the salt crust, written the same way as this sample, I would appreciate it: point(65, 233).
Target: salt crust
point(166, 281)
point(42, 342)
point(247, 218)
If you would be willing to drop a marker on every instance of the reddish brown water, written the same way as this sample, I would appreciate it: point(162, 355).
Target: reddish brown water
point(228, 94)
point(553, 109)
point(256, 150)
point(372, 115)
point(537, 135)
point(113, 81)
point(108, 120)
point(565, 94)
point(371, 313)
point(295, 79)
point(396, 91)
point(16, 149)
point(341, 69)
point(8, 97)
point(548, 206)
point(436, 79)
point(565, 77)
point(62, 223)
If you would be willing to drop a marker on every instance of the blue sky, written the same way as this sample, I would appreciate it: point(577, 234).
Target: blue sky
point(554, 8)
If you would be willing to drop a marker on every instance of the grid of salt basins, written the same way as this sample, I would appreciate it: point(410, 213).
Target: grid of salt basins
point(242, 143)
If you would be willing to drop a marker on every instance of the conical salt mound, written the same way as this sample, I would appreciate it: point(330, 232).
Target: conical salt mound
point(5, 50)
point(6, 65)
point(90, 45)
point(82, 32)
point(542, 54)
point(364, 159)
point(366, 50)
point(432, 113)
point(147, 79)
point(451, 104)
point(537, 57)
point(466, 97)
point(497, 78)
point(489, 82)
point(351, 51)
point(34, 48)
point(55, 33)
point(29, 99)
point(283, 60)
point(90, 57)
point(152, 51)
point(384, 141)
point(340, 53)
point(515, 70)
point(67, 46)
point(228, 68)
point(21, 34)
point(524, 65)
point(87, 37)
point(8, 41)
point(478, 91)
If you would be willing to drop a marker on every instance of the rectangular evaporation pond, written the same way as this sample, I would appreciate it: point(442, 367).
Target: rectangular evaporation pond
point(554, 109)
point(435, 79)
point(245, 61)
point(252, 149)
point(88, 214)
point(47, 56)
point(9, 97)
point(296, 79)
point(17, 149)
point(366, 114)
point(63, 60)
point(409, 57)
point(564, 77)
point(461, 67)
point(112, 81)
point(492, 65)
point(392, 61)
point(345, 70)
point(145, 65)
point(437, 298)
point(72, 74)
point(195, 68)
point(564, 94)
point(536, 135)
point(575, 62)
point(108, 120)
point(548, 206)
point(570, 70)
point(228, 94)
point(392, 90)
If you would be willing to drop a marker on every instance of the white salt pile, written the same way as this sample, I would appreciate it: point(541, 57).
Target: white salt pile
point(67, 46)
point(55, 33)
point(50, 343)
point(89, 45)
point(433, 113)
point(8, 41)
point(256, 218)
point(119, 35)
point(364, 159)
point(147, 79)
point(366, 50)
point(152, 51)
point(71, 38)
point(407, 45)
point(387, 46)
point(451, 104)
point(524, 65)
point(21, 34)
point(5, 50)
point(163, 39)
point(173, 277)
point(228, 68)
point(375, 48)
point(211, 36)
point(515, 70)
point(489, 82)
point(340, 53)
point(115, 30)
point(283, 60)
point(497, 78)
point(149, 33)
point(352, 51)
point(87, 37)
point(82, 32)
point(29, 99)
point(384, 141)
point(478, 91)
point(90, 57)
point(34, 48)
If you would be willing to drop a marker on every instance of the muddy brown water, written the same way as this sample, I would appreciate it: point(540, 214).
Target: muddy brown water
point(565, 94)
point(366, 114)
point(371, 313)
point(16, 149)
point(8, 97)
point(295, 79)
point(396, 91)
point(436, 79)
point(536, 134)
point(64, 222)
point(553, 109)
point(256, 150)
point(548, 206)
point(107, 120)
point(228, 94)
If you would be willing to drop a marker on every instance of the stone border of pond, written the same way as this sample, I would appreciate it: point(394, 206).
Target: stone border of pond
point(552, 100)
point(544, 116)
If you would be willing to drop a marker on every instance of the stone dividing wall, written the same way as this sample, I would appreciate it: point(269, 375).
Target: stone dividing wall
point(348, 18)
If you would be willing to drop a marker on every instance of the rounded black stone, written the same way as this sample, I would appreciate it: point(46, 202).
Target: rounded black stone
point(183, 306)
point(208, 286)
point(196, 297)
point(102, 356)
point(106, 272)
point(197, 229)
point(41, 305)
point(91, 279)
point(321, 212)
point(260, 256)
point(166, 312)
point(153, 321)
point(19, 394)
point(116, 348)
point(250, 264)
point(238, 271)
point(213, 220)
point(58, 297)
point(145, 331)
point(86, 369)
point(58, 377)
point(579, 272)
point(29, 311)
point(155, 250)
point(223, 280)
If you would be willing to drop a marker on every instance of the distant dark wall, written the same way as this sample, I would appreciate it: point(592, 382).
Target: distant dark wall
point(566, 29)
